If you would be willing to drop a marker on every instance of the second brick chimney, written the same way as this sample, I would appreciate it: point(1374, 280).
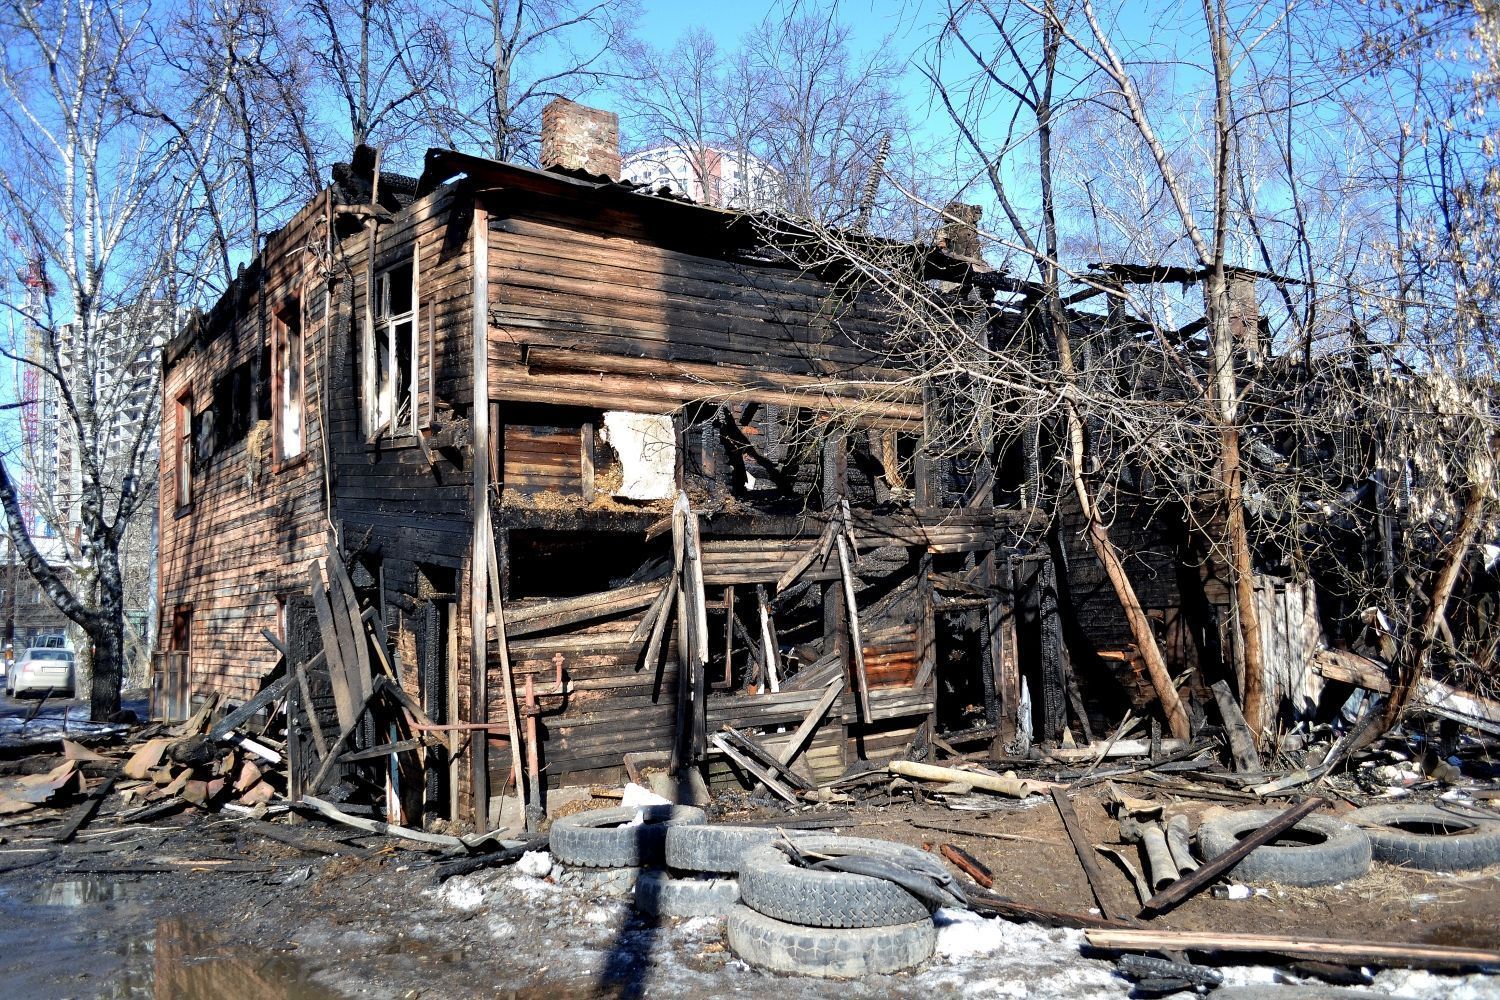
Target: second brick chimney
point(579, 139)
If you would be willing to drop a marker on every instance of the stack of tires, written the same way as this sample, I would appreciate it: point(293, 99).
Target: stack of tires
point(832, 924)
point(629, 842)
point(701, 878)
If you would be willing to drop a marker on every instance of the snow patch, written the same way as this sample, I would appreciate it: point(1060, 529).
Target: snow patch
point(537, 864)
point(461, 894)
point(635, 796)
point(992, 958)
point(961, 934)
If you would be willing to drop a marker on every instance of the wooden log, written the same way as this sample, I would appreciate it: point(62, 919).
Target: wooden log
point(1415, 956)
point(1189, 885)
point(1016, 788)
point(1241, 737)
point(1085, 854)
point(968, 864)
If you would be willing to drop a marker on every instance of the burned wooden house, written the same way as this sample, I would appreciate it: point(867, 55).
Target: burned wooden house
point(587, 472)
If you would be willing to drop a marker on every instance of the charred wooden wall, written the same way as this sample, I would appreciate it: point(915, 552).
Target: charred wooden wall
point(243, 541)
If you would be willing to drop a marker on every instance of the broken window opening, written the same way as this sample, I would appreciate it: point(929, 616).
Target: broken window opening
point(390, 353)
point(290, 371)
point(184, 450)
point(544, 563)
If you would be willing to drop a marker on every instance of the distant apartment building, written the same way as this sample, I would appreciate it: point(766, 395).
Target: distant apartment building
point(732, 179)
point(119, 363)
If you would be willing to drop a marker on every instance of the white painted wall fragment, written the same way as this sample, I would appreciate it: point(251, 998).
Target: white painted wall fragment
point(647, 448)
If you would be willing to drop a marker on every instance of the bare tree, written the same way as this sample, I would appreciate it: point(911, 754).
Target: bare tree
point(512, 56)
point(797, 100)
point(91, 190)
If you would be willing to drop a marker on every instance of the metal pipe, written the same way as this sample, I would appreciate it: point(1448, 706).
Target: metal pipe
point(1158, 857)
point(1178, 832)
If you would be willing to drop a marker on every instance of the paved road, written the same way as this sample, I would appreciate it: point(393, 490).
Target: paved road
point(31, 717)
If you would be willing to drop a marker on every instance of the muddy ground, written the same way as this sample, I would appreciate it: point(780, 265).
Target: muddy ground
point(235, 916)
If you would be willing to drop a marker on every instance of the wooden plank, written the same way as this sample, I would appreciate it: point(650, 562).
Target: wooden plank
point(968, 864)
point(808, 558)
point(336, 814)
point(1085, 854)
point(768, 644)
point(1190, 884)
point(85, 810)
point(481, 549)
point(1241, 737)
point(1351, 668)
point(341, 588)
point(765, 758)
point(272, 692)
point(1325, 949)
point(812, 720)
point(542, 617)
point(647, 626)
point(345, 699)
point(400, 746)
point(763, 774)
point(310, 712)
point(856, 647)
point(333, 756)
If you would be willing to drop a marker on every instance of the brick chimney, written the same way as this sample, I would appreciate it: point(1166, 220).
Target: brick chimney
point(960, 233)
point(1244, 314)
point(579, 139)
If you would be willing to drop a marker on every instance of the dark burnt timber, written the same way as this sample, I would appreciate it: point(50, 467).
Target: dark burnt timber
point(471, 402)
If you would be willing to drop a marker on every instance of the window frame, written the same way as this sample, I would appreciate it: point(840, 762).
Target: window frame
point(182, 451)
point(293, 307)
point(381, 336)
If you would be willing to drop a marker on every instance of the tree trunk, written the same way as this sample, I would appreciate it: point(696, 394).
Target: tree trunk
point(1418, 653)
point(1223, 391)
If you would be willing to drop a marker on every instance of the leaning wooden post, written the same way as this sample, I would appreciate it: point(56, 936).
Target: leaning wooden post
point(856, 644)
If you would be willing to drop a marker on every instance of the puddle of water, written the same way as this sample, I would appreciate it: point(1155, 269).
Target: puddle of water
point(80, 892)
point(177, 963)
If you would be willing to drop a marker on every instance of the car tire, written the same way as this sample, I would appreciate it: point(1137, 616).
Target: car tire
point(661, 894)
point(599, 838)
point(714, 848)
point(772, 885)
point(1328, 850)
point(767, 943)
point(1428, 837)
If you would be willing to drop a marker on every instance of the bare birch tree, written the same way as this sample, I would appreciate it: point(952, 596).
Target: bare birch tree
point(93, 193)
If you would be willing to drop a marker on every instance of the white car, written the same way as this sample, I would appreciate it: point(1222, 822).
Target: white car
point(41, 670)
